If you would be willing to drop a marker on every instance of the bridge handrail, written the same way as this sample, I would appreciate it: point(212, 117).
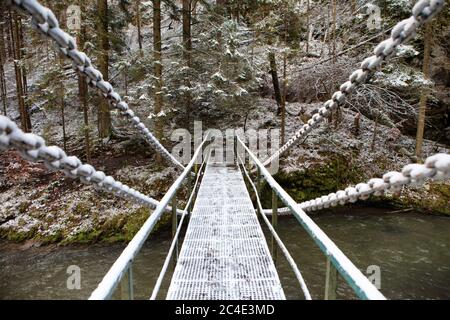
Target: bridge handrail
point(275, 235)
point(110, 281)
point(45, 21)
point(422, 12)
point(177, 233)
point(352, 275)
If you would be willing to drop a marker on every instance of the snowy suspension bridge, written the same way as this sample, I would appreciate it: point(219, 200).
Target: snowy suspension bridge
point(224, 254)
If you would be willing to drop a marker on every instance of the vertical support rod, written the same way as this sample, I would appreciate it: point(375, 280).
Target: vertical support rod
point(275, 225)
point(174, 226)
point(331, 281)
point(189, 188)
point(126, 285)
point(259, 182)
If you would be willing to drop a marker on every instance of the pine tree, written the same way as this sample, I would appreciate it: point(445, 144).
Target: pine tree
point(104, 115)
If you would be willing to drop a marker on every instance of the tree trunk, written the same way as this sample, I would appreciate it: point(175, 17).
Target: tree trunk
point(187, 48)
point(283, 100)
point(353, 5)
point(356, 124)
point(2, 63)
point(375, 132)
point(9, 46)
point(63, 119)
point(333, 30)
point(308, 27)
point(138, 24)
point(83, 90)
point(157, 57)
point(423, 99)
point(104, 115)
point(275, 82)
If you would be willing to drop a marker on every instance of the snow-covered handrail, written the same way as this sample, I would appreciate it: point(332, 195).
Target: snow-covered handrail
point(422, 12)
point(110, 281)
point(45, 21)
point(352, 275)
point(33, 148)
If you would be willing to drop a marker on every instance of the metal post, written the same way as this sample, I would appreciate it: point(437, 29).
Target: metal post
point(189, 188)
point(331, 281)
point(174, 225)
point(259, 182)
point(126, 285)
point(274, 224)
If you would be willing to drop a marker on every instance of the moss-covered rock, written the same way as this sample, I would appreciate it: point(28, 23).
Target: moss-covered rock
point(315, 181)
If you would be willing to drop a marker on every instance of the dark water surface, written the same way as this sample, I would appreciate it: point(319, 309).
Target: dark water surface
point(412, 251)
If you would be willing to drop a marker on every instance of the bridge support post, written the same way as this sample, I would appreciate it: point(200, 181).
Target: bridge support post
point(331, 281)
point(275, 225)
point(175, 226)
point(259, 183)
point(126, 285)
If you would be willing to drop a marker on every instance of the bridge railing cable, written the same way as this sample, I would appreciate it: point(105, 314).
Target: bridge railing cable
point(363, 288)
point(277, 238)
point(174, 243)
point(422, 12)
point(33, 148)
point(123, 264)
point(45, 21)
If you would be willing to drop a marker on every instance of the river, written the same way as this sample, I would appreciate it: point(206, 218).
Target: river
point(411, 250)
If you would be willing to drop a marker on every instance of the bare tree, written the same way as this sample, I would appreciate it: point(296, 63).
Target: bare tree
point(187, 48)
point(158, 96)
point(423, 98)
point(139, 24)
point(16, 37)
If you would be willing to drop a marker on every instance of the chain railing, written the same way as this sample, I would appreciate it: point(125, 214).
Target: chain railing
point(33, 148)
point(45, 21)
point(123, 265)
point(337, 262)
point(422, 12)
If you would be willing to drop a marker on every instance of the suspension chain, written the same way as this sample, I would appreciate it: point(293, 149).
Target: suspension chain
point(33, 148)
point(436, 167)
point(422, 12)
point(44, 20)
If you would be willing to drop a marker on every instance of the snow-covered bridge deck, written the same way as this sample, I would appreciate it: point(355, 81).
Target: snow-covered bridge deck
point(224, 253)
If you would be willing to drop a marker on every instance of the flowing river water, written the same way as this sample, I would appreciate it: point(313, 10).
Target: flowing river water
point(412, 252)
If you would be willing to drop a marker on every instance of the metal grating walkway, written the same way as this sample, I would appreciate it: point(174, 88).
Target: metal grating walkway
point(224, 254)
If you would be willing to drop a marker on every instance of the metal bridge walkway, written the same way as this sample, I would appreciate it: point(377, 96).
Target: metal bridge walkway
point(224, 254)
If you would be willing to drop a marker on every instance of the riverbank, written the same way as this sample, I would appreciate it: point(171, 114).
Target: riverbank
point(411, 249)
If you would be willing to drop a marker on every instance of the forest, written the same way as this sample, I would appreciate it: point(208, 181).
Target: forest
point(259, 65)
point(252, 120)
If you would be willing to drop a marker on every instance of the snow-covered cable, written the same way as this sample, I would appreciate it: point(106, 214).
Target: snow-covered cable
point(45, 21)
point(33, 148)
point(436, 167)
point(422, 12)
